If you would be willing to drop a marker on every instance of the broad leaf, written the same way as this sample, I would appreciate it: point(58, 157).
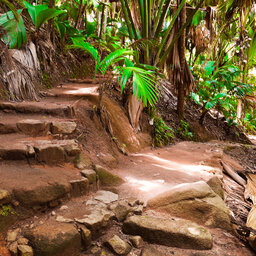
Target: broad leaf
point(209, 67)
point(16, 35)
point(40, 14)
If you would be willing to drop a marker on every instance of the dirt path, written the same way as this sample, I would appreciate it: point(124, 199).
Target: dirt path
point(154, 171)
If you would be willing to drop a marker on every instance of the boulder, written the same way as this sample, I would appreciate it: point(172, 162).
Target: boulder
point(82, 162)
point(194, 201)
point(33, 127)
point(63, 127)
point(70, 146)
point(79, 187)
point(150, 250)
point(5, 197)
point(118, 246)
point(176, 233)
point(15, 151)
point(90, 175)
point(107, 178)
point(63, 239)
point(105, 196)
point(25, 250)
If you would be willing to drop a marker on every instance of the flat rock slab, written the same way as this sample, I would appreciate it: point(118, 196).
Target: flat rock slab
point(90, 175)
point(194, 201)
point(177, 233)
point(33, 127)
point(54, 239)
point(14, 151)
point(106, 197)
point(63, 127)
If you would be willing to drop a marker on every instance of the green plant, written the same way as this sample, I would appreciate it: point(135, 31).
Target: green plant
point(184, 131)
point(15, 32)
point(219, 88)
point(6, 210)
point(143, 77)
point(162, 134)
point(40, 14)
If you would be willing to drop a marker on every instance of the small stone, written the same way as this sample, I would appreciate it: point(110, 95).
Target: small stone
point(13, 248)
point(133, 202)
point(121, 210)
point(5, 197)
point(118, 246)
point(136, 241)
point(90, 175)
point(106, 196)
point(138, 209)
point(25, 250)
point(53, 213)
point(95, 250)
point(63, 207)
point(79, 187)
point(63, 220)
point(149, 250)
point(86, 236)
point(12, 235)
point(22, 240)
point(41, 222)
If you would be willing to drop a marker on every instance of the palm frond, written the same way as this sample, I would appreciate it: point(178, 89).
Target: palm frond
point(112, 58)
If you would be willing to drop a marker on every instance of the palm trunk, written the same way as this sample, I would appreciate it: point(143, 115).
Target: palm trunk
point(181, 86)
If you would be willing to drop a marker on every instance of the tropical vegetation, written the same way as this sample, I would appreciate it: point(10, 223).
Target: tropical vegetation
point(205, 48)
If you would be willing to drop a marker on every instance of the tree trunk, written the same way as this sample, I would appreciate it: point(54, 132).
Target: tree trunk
point(181, 45)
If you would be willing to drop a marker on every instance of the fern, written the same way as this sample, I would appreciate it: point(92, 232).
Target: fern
point(144, 83)
point(112, 58)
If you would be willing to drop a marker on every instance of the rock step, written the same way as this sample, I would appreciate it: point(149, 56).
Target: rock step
point(43, 150)
point(21, 187)
point(55, 109)
point(37, 127)
point(170, 232)
point(76, 91)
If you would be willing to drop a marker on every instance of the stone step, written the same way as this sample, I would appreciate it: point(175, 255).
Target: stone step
point(36, 125)
point(39, 188)
point(42, 150)
point(76, 91)
point(42, 107)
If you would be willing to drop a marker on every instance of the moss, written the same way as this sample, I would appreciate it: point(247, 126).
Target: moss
point(107, 178)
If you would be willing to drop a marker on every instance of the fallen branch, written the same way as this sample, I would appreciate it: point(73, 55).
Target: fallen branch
point(233, 174)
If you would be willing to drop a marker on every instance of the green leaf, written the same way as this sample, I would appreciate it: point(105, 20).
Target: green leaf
point(112, 58)
point(16, 35)
point(79, 43)
point(210, 104)
point(209, 67)
point(195, 97)
point(40, 14)
point(61, 28)
point(219, 96)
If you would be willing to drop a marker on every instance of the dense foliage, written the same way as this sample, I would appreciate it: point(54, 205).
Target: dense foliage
point(206, 48)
